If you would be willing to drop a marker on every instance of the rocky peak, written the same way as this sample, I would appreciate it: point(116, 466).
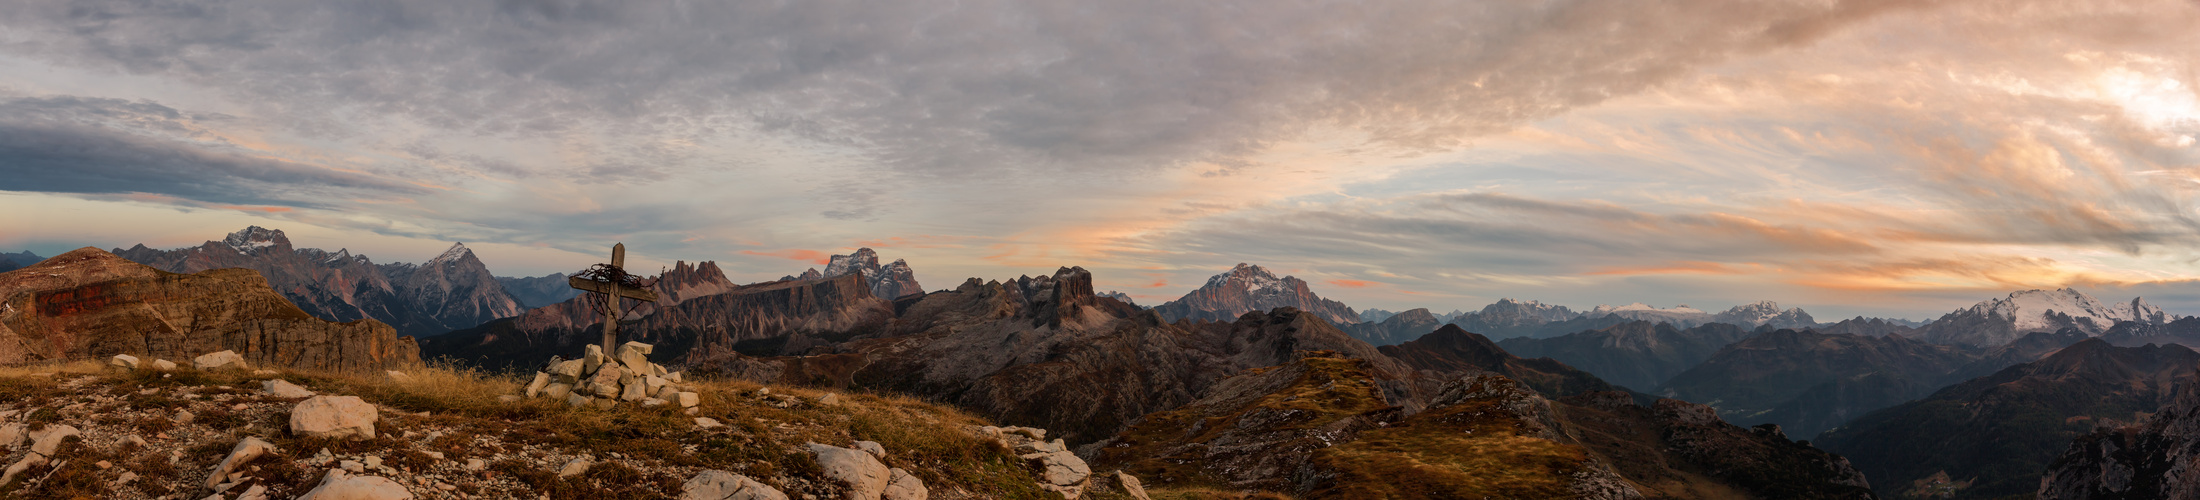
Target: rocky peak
point(1247, 288)
point(888, 282)
point(254, 238)
point(1521, 310)
point(456, 253)
point(1765, 313)
point(810, 274)
point(863, 260)
point(687, 281)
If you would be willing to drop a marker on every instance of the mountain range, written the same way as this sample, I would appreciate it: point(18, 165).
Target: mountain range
point(1635, 354)
point(889, 281)
point(1997, 321)
point(1990, 437)
point(18, 260)
point(1247, 288)
point(450, 291)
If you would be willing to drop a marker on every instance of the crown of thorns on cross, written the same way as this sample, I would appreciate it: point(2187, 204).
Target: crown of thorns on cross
point(606, 273)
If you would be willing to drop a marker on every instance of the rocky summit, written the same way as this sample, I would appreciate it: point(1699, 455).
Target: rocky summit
point(90, 304)
point(1247, 288)
point(451, 291)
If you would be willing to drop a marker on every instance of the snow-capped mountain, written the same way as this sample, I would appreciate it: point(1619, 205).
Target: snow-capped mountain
point(1765, 313)
point(451, 291)
point(890, 281)
point(1680, 315)
point(1247, 288)
point(1375, 315)
point(1124, 297)
point(1997, 321)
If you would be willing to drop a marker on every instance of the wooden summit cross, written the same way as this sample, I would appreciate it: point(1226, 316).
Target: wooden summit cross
point(612, 283)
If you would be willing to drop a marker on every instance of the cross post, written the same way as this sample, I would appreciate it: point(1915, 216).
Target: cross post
point(612, 291)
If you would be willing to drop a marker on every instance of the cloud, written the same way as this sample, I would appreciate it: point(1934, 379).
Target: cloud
point(1352, 283)
point(932, 87)
point(811, 256)
point(66, 144)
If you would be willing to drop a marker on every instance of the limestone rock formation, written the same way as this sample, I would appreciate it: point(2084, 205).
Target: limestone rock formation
point(90, 304)
point(891, 281)
point(2154, 459)
point(722, 485)
point(339, 417)
point(451, 291)
point(1248, 288)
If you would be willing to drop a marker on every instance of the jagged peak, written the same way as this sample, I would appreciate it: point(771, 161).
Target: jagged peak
point(457, 251)
point(253, 238)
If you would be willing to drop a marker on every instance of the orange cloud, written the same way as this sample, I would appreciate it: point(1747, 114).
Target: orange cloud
point(1686, 267)
point(1353, 283)
point(812, 256)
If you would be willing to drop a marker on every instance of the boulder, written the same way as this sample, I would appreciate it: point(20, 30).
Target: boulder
point(873, 448)
point(688, 399)
point(246, 450)
point(284, 389)
point(339, 485)
point(123, 362)
point(568, 371)
point(1060, 468)
point(635, 357)
point(605, 384)
point(903, 486)
point(48, 440)
point(707, 423)
point(652, 384)
point(829, 399)
point(576, 467)
point(28, 461)
point(542, 379)
point(557, 391)
point(12, 435)
point(592, 359)
point(220, 360)
point(334, 417)
point(633, 391)
point(722, 485)
point(164, 365)
point(865, 477)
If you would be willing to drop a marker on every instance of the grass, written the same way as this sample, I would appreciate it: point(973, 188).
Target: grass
point(1473, 449)
point(656, 448)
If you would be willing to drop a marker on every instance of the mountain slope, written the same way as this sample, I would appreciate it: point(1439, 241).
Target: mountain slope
point(1453, 352)
point(452, 291)
point(1766, 377)
point(1633, 354)
point(539, 291)
point(1997, 321)
point(2149, 460)
point(1395, 328)
point(1247, 288)
point(1990, 437)
point(91, 304)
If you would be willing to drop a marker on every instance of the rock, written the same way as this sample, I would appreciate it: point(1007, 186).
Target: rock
point(284, 389)
point(219, 360)
point(48, 440)
point(542, 379)
point(477, 465)
point(568, 371)
point(351, 465)
point(653, 384)
point(557, 391)
point(722, 485)
point(164, 365)
point(863, 474)
point(605, 384)
point(688, 399)
point(334, 417)
point(183, 417)
point(398, 376)
point(256, 492)
point(246, 450)
point(829, 399)
point(1061, 468)
point(873, 448)
point(125, 478)
point(653, 402)
point(373, 462)
point(668, 393)
point(509, 398)
point(707, 423)
point(903, 486)
point(11, 436)
point(630, 388)
point(1131, 486)
point(576, 467)
point(28, 461)
point(578, 400)
point(674, 377)
point(592, 359)
point(338, 485)
point(123, 362)
point(635, 357)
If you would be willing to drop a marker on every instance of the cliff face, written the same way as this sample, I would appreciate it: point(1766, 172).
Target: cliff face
point(89, 304)
point(2156, 459)
point(451, 291)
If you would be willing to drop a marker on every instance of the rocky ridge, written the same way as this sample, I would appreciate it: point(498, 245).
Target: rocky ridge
point(1247, 288)
point(451, 291)
point(90, 304)
point(1636, 354)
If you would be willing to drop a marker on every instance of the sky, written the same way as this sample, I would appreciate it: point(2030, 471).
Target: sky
point(1851, 157)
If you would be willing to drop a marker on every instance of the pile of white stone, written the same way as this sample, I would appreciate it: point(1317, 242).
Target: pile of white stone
point(1060, 470)
point(604, 381)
